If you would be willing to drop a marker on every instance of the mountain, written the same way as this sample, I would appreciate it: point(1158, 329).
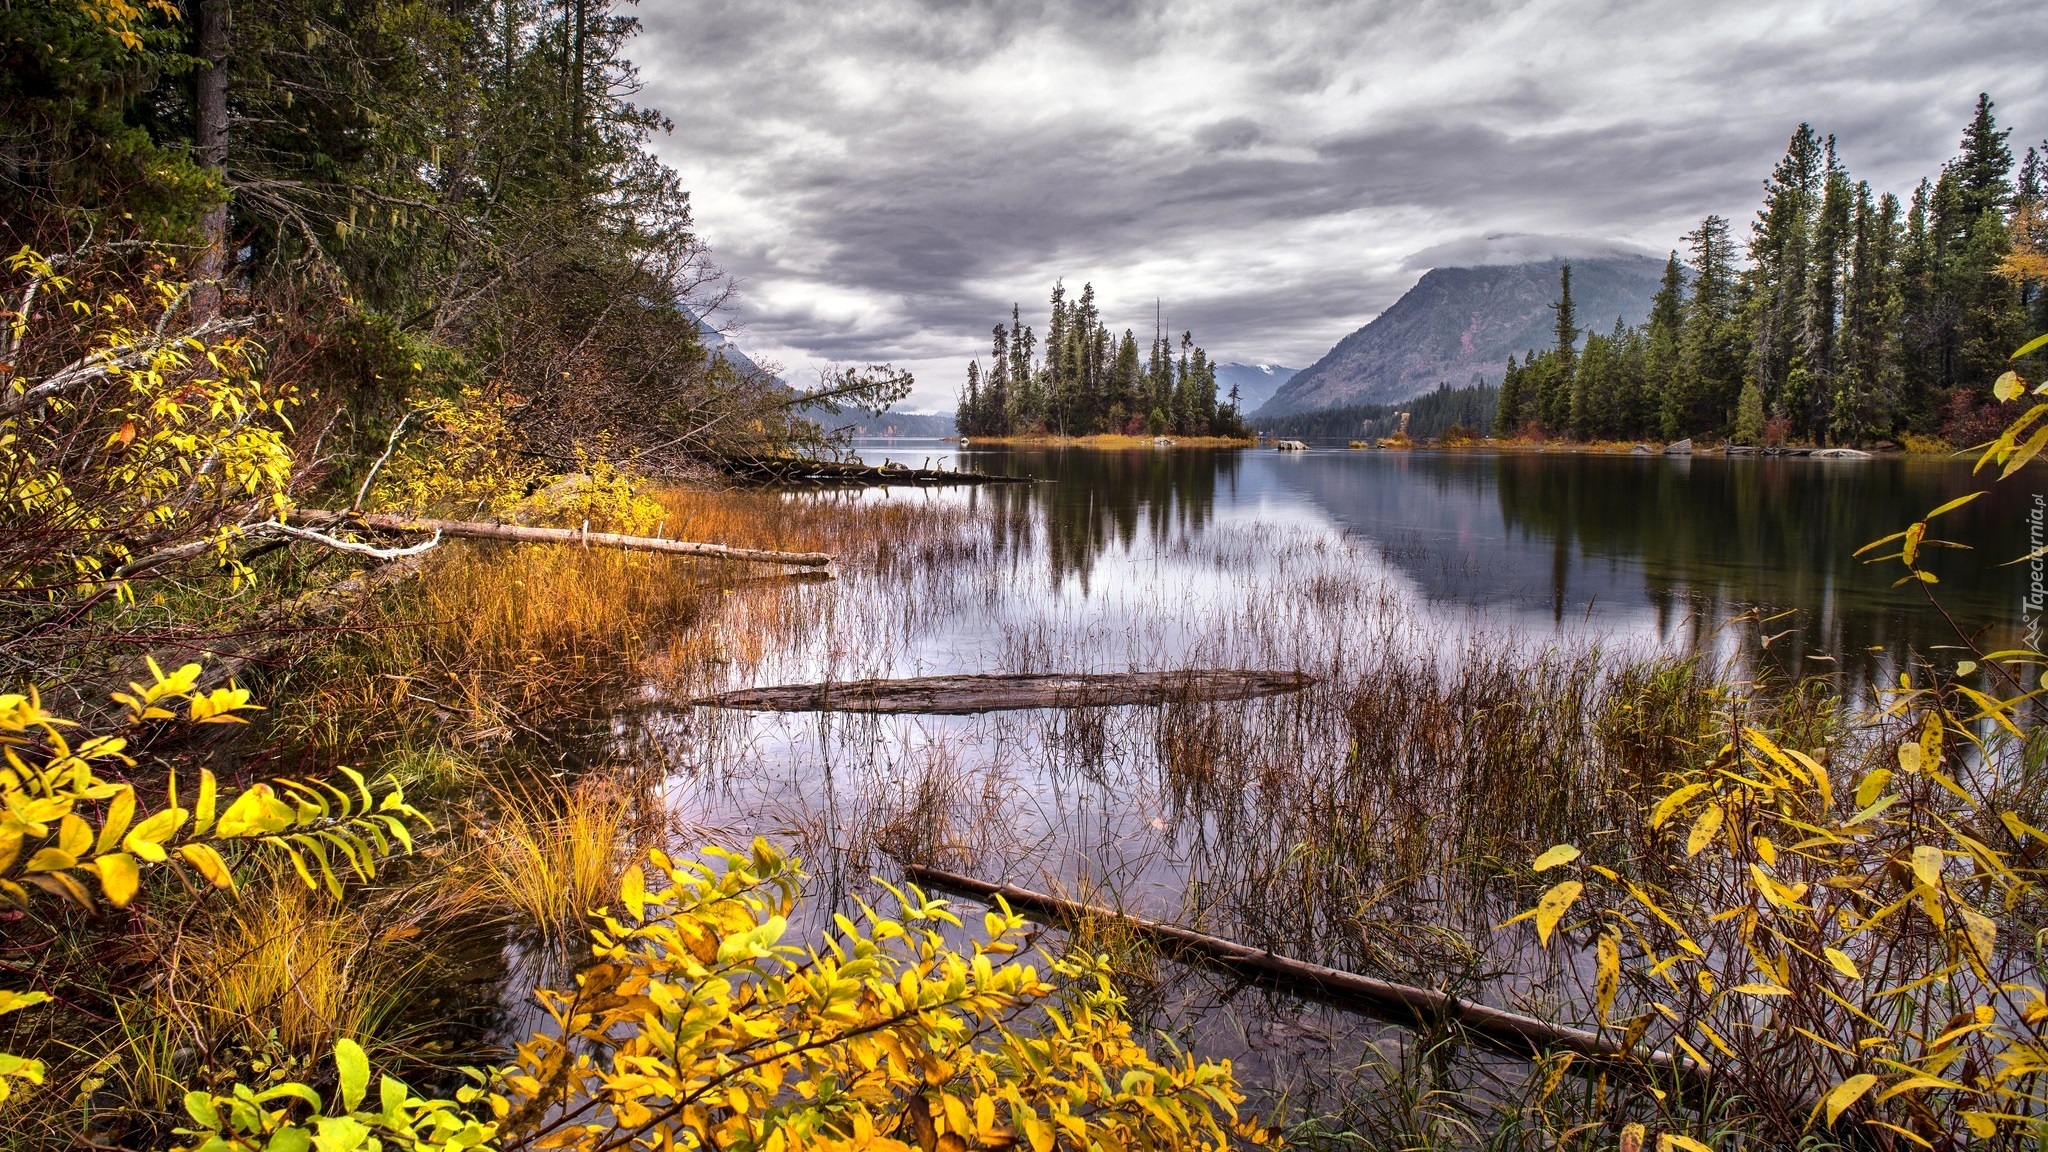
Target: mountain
point(1255, 383)
point(1459, 324)
point(890, 424)
point(723, 349)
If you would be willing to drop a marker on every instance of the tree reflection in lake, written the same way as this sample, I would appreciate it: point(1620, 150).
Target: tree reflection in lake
point(1671, 546)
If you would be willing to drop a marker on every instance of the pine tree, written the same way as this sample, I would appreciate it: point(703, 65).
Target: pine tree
point(1977, 315)
point(1128, 401)
point(1566, 329)
point(1666, 399)
point(1985, 166)
point(1920, 321)
point(967, 414)
point(1749, 413)
point(1509, 412)
point(1710, 360)
point(1866, 396)
point(1820, 313)
point(1780, 250)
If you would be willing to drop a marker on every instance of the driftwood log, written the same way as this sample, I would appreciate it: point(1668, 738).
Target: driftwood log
point(803, 470)
point(1508, 1032)
point(479, 530)
point(965, 695)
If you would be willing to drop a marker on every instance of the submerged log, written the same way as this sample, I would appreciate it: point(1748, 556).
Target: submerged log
point(965, 695)
point(478, 530)
point(1509, 1032)
point(804, 470)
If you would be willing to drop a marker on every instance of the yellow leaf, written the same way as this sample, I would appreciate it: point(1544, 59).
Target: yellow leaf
point(1927, 865)
point(12, 1001)
point(1666, 1141)
point(1920, 1083)
point(209, 864)
point(120, 813)
point(633, 892)
point(74, 836)
point(202, 813)
point(1842, 1095)
point(50, 860)
point(1607, 979)
point(2008, 387)
point(1909, 757)
point(1704, 828)
point(1552, 907)
point(119, 877)
point(1873, 787)
point(1561, 854)
point(1775, 892)
point(1982, 932)
point(1842, 963)
point(146, 839)
point(1672, 803)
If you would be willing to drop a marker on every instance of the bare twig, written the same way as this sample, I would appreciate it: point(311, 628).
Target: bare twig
point(390, 446)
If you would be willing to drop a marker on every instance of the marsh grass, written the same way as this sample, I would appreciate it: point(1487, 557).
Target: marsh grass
point(554, 853)
point(1380, 820)
point(290, 967)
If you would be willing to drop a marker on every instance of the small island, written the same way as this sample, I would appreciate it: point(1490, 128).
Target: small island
point(1094, 390)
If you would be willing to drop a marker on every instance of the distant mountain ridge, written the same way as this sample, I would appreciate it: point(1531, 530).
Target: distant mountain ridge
point(1460, 324)
point(890, 424)
point(1255, 383)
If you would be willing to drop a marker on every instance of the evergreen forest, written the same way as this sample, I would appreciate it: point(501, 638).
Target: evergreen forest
point(1447, 411)
point(1086, 382)
point(1856, 318)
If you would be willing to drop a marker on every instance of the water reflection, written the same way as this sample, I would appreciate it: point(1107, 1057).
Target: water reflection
point(1482, 629)
point(1669, 547)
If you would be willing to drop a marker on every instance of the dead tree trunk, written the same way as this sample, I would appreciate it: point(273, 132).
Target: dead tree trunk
point(477, 530)
point(1508, 1032)
point(210, 132)
point(1004, 692)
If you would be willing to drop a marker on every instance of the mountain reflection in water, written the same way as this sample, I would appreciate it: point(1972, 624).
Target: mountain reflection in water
point(1664, 547)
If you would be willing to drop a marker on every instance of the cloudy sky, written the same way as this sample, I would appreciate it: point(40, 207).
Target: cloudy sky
point(884, 177)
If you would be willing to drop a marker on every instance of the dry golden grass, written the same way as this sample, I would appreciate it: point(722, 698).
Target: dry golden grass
point(554, 855)
point(288, 965)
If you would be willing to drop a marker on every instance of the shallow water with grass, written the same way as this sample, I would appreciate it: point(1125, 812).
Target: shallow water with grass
point(1510, 651)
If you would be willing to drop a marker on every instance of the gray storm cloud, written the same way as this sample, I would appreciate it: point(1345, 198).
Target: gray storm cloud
point(885, 177)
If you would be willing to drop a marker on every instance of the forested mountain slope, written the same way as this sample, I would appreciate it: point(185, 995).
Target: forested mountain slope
point(1461, 324)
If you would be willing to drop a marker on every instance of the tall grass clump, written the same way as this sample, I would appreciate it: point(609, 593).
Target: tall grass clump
point(555, 854)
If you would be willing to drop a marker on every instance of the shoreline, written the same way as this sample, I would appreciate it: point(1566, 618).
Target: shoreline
point(1106, 440)
point(1619, 448)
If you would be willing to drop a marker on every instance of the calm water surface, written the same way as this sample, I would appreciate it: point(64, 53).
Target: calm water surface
point(1338, 563)
point(1664, 547)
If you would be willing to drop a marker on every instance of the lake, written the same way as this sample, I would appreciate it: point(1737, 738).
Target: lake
point(1487, 632)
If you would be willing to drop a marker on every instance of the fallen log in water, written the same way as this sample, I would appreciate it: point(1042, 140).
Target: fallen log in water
point(964, 695)
point(804, 470)
point(478, 530)
point(1508, 1032)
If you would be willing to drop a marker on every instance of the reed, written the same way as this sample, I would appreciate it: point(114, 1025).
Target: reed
point(554, 855)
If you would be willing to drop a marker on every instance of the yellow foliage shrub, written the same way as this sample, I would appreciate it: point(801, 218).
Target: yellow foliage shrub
point(1860, 945)
point(698, 1026)
point(126, 427)
point(66, 829)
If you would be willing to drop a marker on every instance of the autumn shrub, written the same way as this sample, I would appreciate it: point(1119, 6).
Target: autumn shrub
point(698, 1026)
point(1853, 938)
point(72, 830)
point(132, 433)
